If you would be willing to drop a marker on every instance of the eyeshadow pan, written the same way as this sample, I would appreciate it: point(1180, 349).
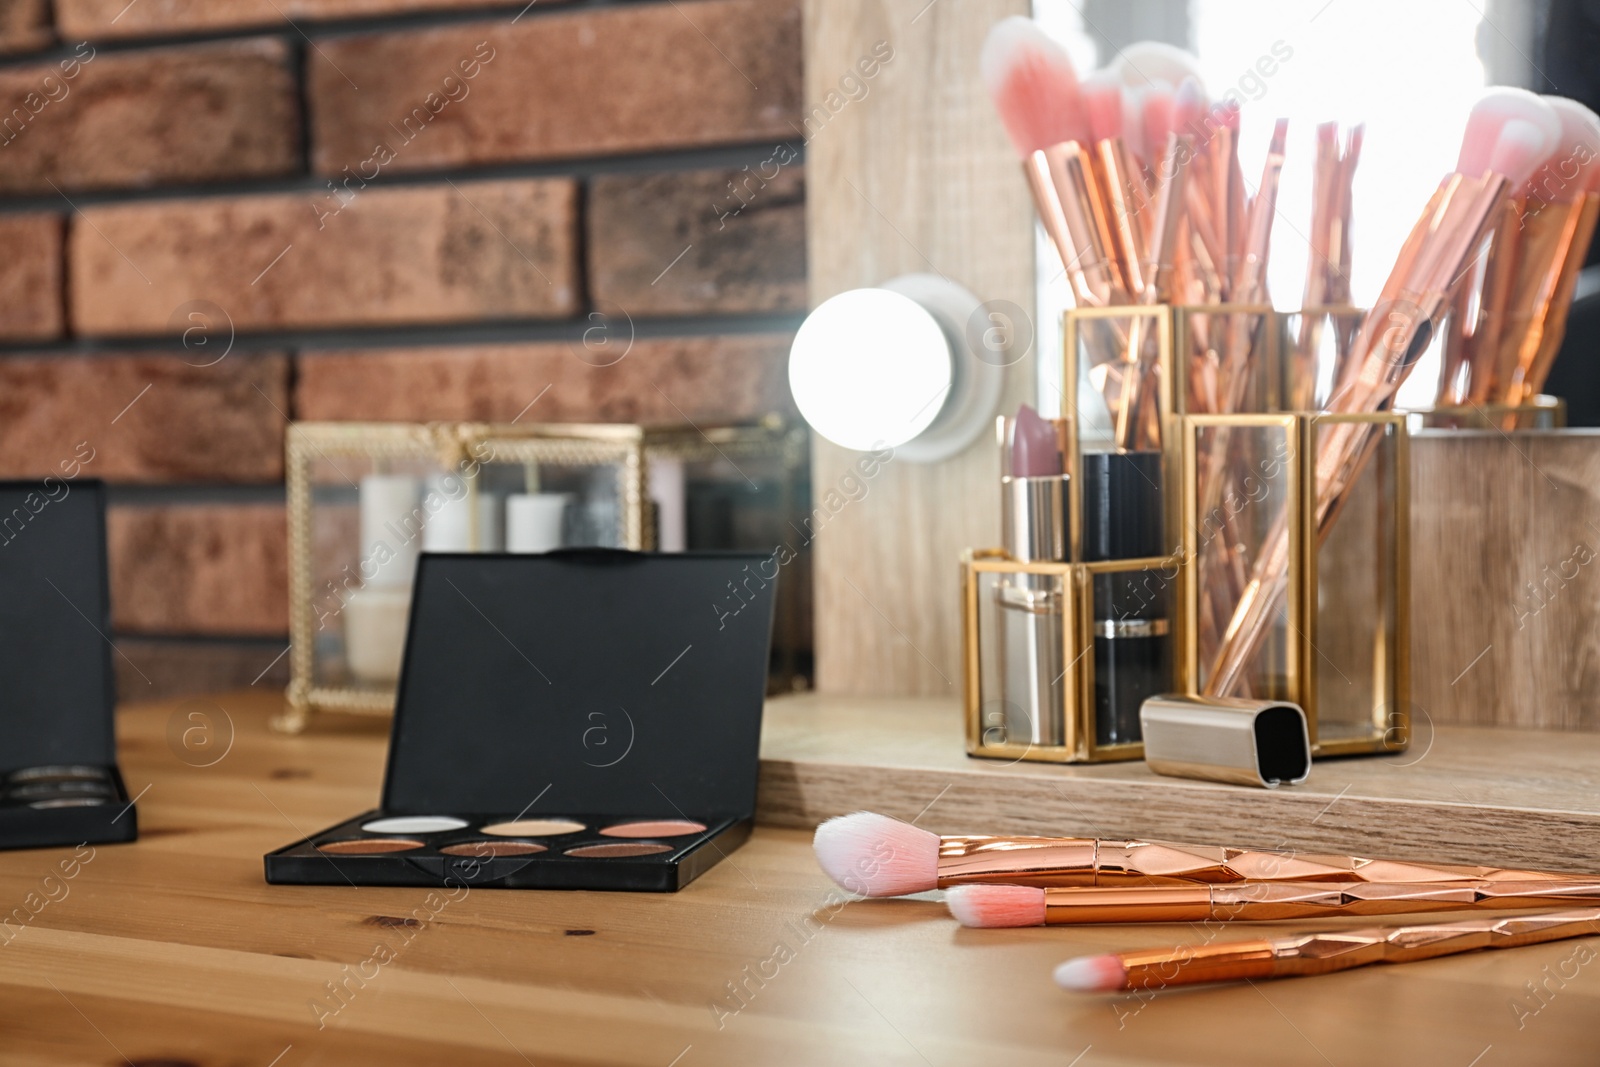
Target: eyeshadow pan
point(654, 828)
point(533, 828)
point(491, 849)
point(57, 773)
point(367, 846)
point(68, 802)
point(413, 824)
point(619, 850)
point(70, 787)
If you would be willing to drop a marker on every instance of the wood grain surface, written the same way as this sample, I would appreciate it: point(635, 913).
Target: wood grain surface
point(1505, 565)
point(914, 176)
point(173, 950)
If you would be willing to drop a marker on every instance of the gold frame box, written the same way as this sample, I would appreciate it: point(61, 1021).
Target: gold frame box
point(1073, 732)
point(1543, 412)
point(426, 482)
point(1335, 607)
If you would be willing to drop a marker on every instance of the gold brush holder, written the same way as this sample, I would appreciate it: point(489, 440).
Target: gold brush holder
point(1543, 412)
point(1086, 600)
point(1328, 574)
point(467, 487)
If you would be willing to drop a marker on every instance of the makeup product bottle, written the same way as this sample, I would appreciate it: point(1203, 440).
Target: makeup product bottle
point(1132, 646)
point(1033, 518)
point(375, 615)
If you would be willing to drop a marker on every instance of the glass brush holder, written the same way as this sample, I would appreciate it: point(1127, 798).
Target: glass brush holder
point(1294, 575)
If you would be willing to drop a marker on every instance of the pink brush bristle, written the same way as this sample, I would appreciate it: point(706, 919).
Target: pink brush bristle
point(992, 906)
point(877, 856)
point(1102, 99)
point(1033, 85)
point(1092, 974)
point(1189, 108)
point(1490, 115)
point(1155, 63)
point(1133, 120)
point(1157, 114)
point(1519, 151)
point(1573, 167)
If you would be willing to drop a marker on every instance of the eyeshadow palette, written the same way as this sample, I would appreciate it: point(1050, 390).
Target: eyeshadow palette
point(581, 852)
point(59, 782)
point(583, 719)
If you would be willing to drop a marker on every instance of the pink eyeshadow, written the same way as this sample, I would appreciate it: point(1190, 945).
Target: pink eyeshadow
point(654, 828)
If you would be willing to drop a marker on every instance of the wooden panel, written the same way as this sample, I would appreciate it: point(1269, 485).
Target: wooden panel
point(912, 176)
point(1462, 794)
point(1505, 565)
point(173, 950)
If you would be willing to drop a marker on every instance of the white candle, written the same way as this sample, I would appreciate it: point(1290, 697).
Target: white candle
point(449, 527)
point(667, 490)
point(534, 521)
point(375, 633)
point(390, 523)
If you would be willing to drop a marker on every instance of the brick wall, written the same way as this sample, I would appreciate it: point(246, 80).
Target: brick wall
point(377, 209)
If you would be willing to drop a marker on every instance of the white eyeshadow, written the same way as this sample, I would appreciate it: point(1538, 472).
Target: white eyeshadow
point(413, 824)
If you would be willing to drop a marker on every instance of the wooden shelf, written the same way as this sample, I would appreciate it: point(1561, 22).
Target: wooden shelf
point(1462, 794)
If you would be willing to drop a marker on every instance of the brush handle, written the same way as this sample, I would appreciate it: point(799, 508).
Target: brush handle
point(1327, 951)
point(1048, 862)
point(1268, 901)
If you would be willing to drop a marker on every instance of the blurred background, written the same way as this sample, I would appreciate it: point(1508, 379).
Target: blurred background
point(220, 215)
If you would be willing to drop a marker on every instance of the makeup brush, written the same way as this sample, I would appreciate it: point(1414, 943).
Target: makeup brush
point(1035, 91)
point(1323, 952)
point(1559, 210)
point(1146, 63)
point(878, 856)
point(989, 906)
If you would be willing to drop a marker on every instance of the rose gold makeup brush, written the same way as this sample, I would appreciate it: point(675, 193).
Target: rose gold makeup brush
point(990, 906)
point(1036, 93)
point(877, 856)
point(1510, 132)
point(1323, 952)
point(1558, 221)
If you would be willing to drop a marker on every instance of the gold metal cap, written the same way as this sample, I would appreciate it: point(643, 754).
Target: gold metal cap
point(1245, 742)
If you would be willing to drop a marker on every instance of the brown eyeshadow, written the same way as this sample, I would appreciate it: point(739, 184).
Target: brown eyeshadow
point(490, 849)
point(620, 850)
point(368, 846)
point(654, 828)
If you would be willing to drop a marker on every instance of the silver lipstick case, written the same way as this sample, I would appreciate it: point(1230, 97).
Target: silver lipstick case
point(1031, 611)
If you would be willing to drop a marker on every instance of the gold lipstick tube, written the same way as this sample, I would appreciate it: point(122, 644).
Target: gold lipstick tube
point(1271, 901)
point(1338, 950)
point(1057, 862)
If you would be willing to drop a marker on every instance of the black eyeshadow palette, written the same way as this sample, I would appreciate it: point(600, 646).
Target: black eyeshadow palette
point(59, 781)
point(582, 719)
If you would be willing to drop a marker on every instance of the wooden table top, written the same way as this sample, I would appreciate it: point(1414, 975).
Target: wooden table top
point(175, 950)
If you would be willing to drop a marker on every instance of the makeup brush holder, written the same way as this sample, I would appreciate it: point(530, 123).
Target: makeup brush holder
point(1543, 412)
point(1312, 340)
point(1294, 575)
point(1057, 658)
point(365, 499)
point(1185, 367)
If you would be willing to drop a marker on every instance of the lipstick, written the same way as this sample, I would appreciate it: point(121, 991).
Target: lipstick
point(1033, 517)
point(1132, 654)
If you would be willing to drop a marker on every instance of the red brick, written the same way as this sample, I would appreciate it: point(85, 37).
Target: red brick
point(30, 277)
point(435, 254)
point(24, 25)
point(199, 569)
point(99, 19)
point(661, 380)
point(192, 424)
point(700, 241)
point(583, 83)
point(161, 670)
point(194, 114)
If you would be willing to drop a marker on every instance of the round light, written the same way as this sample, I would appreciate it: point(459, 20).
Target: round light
point(870, 369)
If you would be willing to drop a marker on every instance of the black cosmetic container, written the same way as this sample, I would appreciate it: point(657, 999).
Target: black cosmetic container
point(59, 781)
point(1122, 519)
point(582, 719)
